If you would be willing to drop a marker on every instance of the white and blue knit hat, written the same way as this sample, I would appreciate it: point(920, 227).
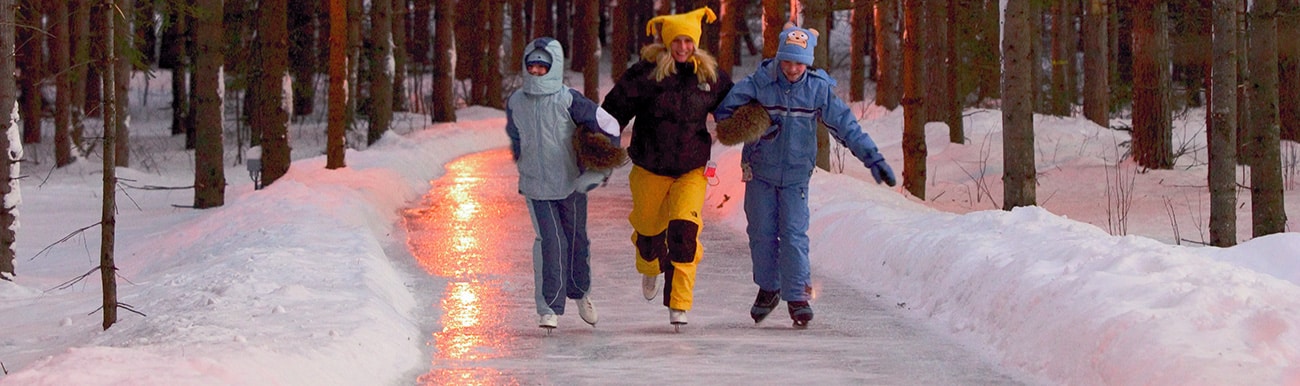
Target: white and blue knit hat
point(796, 44)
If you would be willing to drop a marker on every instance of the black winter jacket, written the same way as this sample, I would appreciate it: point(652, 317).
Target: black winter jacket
point(670, 137)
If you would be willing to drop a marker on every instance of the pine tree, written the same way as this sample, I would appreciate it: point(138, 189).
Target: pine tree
point(888, 83)
point(8, 111)
point(1222, 133)
point(444, 47)
point(269, 118)
point(1020, 175)
point(381, 74)
point(914, 99)
point(1096, 67)
point(338, 90)
point(1152, 114)
point(209, 171)
point(1268, 215)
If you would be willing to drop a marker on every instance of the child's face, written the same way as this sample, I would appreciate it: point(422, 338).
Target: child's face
point(793, 70)
point(537, 69)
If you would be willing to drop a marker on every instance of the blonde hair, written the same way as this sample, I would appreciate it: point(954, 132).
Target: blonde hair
point(706, 67)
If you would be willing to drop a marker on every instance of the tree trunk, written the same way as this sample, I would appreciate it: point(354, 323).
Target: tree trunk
point(63, 98)
point(209, 172)
point(1096, 65)
point(729, 38)
point(774, 18)
point(421, 33)
point(621, 38)
point(354, 62)
point(888, 85)
point(577, 47)
point(1152, 116)
point(936, 33)
point(1020, 174)
point(859, 45)
point(94, 83)
point(338, 91)
point(1288, 57)
point(815, 12)
point(28, 58)
point(145, 37)
point(444, 49)
point(914, 99)
point(588, 33)
point(398, 46)
point(122, 145)
point(269, 117)
point(1268, 216)
point(1064, 48)
point(8, 185)
point(563, 12)
point(191, 49)
point(79, 30)
point(175, 57)
point(302, 48)
point(989, 60)
point(518, 37)
point(490, 60)
point(952, 100)
point(108, 212)
point(1245, 154)
point(1222, 144)
point(381, 72)
point(543, 18)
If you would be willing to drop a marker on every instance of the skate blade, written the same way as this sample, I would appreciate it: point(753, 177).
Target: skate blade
point(800, 324)
point(548, 329)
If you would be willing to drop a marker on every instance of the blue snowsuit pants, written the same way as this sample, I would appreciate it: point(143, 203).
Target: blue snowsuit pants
point(778, 237)
point(561, 254)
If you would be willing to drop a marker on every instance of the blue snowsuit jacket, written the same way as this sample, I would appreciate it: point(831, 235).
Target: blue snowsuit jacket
point(786, 153)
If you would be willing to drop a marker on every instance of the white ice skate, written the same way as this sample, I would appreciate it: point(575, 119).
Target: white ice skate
point(587, 310)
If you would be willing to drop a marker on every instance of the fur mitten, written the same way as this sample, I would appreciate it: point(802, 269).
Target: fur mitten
point(596, 152)
point(745, 125)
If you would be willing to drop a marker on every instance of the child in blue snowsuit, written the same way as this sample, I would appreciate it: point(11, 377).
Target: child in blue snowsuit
point(541, 119)
point(778, 165)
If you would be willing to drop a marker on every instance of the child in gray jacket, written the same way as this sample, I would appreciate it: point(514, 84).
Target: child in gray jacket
point(552, 128)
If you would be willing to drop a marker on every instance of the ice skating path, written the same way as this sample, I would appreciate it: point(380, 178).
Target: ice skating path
point(473, 237)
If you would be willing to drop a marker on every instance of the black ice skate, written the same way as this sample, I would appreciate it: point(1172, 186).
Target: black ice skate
point(764, 304)
point(801, 312)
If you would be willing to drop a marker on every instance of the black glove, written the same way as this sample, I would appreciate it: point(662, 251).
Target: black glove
point(881, 171)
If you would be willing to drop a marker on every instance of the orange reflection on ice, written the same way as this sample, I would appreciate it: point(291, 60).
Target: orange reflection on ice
point(451, 234)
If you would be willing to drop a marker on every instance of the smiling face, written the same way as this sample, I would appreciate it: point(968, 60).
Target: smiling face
point(682, 47)
point(793, 70)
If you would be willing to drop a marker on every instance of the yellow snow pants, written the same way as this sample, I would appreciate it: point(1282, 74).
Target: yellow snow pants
point(666, 227)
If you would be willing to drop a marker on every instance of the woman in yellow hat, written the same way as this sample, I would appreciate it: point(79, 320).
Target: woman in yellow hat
point(670, 92)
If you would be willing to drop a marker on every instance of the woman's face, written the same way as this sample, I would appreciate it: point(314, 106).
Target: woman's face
point(682, 48)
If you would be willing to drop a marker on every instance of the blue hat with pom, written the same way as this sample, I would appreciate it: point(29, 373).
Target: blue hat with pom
point(796, 44)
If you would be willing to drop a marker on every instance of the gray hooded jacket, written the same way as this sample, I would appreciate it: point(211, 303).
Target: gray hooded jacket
point(541, 118)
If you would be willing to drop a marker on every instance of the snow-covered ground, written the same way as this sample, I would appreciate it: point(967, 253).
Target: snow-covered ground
point(293, 284)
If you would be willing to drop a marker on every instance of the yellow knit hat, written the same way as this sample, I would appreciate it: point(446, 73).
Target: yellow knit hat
point(682, 24)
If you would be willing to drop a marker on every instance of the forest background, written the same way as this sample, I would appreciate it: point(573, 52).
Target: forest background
point(242, 71)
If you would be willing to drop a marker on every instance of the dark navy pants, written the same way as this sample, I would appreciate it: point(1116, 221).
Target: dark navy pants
point(561, 254)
